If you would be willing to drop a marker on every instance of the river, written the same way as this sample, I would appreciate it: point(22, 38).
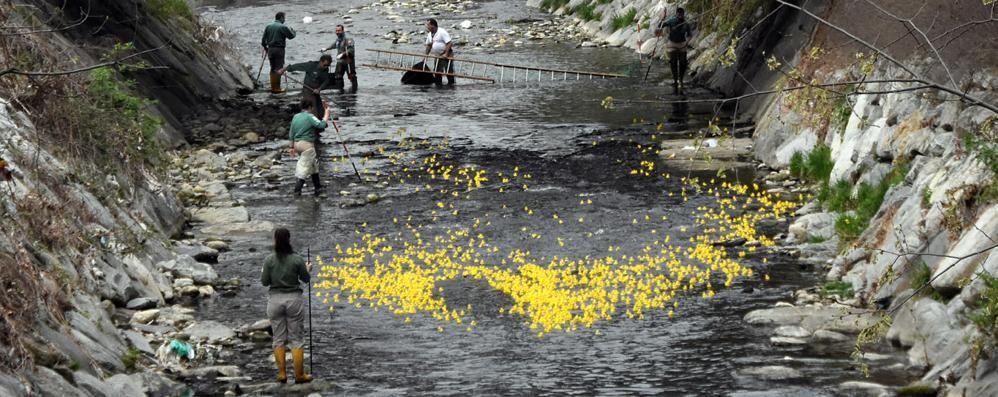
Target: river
point(575, 149)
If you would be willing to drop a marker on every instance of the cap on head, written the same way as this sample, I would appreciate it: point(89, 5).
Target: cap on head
point(305, 104)
point(279, 16)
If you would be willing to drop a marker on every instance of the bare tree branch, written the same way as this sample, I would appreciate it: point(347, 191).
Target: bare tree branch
point(928, 283)
point(15, 71)
point(911, 24)
point(929, 84)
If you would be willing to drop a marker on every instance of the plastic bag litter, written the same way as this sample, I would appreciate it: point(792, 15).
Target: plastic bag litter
point(177, 355)
point(710, 142)
point(306, 20)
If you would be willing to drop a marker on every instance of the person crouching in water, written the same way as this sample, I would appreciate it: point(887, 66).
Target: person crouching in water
point(317, 78)
point(283, 272)
point(305, 128)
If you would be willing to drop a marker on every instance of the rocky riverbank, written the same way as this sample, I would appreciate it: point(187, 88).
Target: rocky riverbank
point(902, 204)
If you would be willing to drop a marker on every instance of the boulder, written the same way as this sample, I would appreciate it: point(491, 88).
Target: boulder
point(184, 266)
point(792, 331)
point(239, 229)
point(218, 245)
point(785, 341)
point(211, 331)
point(817, 225)
point(126, 385)
point(216, 370)
point(950, 272)
point(219, 215)
point(840, 319)
point(826, 336)
point(92, 385)
point(142, 304)
point(10, 386)
point(138, 342)
point(49, 383)
point(176, 316)
point(864, 389)
point(198, 251)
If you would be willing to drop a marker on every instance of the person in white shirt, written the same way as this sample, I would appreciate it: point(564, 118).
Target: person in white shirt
point(438, 43)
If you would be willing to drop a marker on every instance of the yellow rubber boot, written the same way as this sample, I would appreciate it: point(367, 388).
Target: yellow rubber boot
point(275, 84)
point(298, 355)
point(280, 358)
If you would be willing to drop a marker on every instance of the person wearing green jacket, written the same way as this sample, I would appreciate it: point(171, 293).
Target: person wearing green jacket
point(317, 78)
point(275, 37)
point(283, 272)
point(304, 133)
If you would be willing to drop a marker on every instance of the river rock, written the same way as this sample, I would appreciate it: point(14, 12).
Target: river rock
point(184, 266)
point(218, 245)
point(818, 225)
point(138, 341)
point(141, 304)
point(183, 282)
point(239, 229)
point(950, 271)
point(854, 388)
point(145, 316)
point(826, 336)
point(211, 331)
point(49, 383)
point(792, 331)
point(208, 159)
point(175, 316)
point(252, 137)
point(217, 370)
point(785, 341)
point(91, 384)
point(772, 372)
point(219, 215)
point(10, 386)
point(199, 252)
point(840, 319)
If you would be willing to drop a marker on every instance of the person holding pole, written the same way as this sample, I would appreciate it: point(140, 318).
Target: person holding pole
point(317, 78)
point(679, 33)
point(344, 57)
point(275, 37)
point(304, 134)
point(283, 272)
point(439, 44)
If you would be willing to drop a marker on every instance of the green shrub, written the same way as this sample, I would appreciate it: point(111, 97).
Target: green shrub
point(552, 5)
point(917, 389)
point(797, 165)
point(587, 12)
point(820, 163)
point(849, 227)
point(114, 126)
point(837, 197)
point(986, 319)
point(841, 288)
point(131, 359)
point(165, 9)
point(626, 19)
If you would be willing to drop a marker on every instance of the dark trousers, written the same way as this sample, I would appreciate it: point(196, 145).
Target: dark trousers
point(678, 64)
point(347, 68)
point(445, 66)
point(276, 57)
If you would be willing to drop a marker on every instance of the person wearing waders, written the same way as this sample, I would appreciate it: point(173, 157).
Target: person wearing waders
point(304, 134)
point(438, 43)
point(679, 34)
point(317, 78)
point(344, 57)
point(283, 272)
point(275, 37)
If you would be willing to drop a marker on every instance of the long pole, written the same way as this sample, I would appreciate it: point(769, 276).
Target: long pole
point(340, 138)
point(262, 61)
point(311, 352)
point(337, 128)
point(651, 59)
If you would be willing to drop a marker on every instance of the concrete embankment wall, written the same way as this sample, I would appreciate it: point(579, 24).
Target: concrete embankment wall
point(908, 138)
